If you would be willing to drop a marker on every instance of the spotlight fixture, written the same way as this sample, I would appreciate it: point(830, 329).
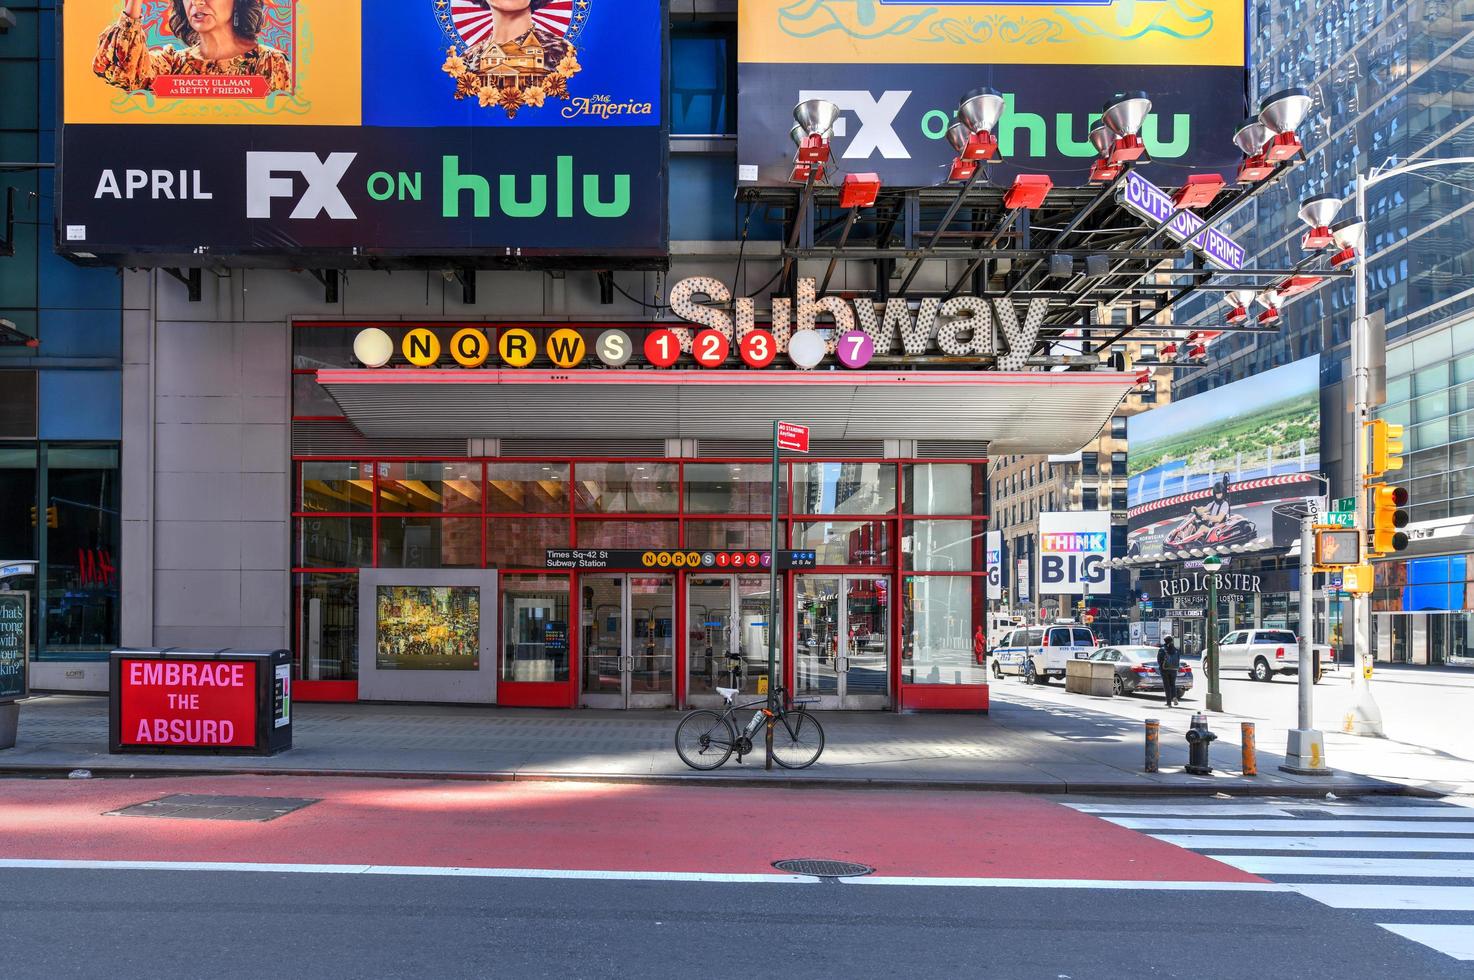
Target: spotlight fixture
point(1294, 286)
point(1318, 212)
point(1240, 300)
point(962, 168)
point(1250, 138)
point(1124, 115)
point(1198, 192)
point(1270, 301)
point(859, 190)
point(816, 118)
point(1197, 351)
point(1103, 171)
point(1028, 191)
point(1282, 113)
point(1205, 336)
point(1170, 350)
point(1348, 236)
point(980, 111)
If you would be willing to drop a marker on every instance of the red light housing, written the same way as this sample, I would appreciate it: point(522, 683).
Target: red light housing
point(859, 190)
point(813, 149)
point(1126, 149)
point(962, 169)
point(980, 146)
point(1028, 191)
point(1316, 239)
point(1343, 257)
point(1238, 314)
point(1281, 148)
point(1103, 171)
point(1199, 191)
point(801, 173)
point(1254, 169)
point(1297, 284)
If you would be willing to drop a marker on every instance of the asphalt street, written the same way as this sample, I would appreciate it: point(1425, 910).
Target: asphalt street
point(123, 924)
point(226, 876)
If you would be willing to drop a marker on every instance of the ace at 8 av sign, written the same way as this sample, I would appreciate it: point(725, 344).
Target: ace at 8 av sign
point(1074, 549)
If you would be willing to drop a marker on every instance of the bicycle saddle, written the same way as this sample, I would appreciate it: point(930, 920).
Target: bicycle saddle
point(727, 693)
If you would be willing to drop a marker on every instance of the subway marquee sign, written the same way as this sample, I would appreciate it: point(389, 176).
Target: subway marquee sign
point(852, 333)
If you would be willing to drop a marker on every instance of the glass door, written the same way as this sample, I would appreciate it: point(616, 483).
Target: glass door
point(727, 625)
point(628, 624)
point(842, 640)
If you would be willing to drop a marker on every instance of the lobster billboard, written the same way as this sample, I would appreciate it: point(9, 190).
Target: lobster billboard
point(1234, 466)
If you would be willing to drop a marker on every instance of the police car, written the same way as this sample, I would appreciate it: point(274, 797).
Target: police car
point(1038, 653)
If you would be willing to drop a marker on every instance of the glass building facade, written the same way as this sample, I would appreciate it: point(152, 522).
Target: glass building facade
point(1391, 83)
point(60, 400)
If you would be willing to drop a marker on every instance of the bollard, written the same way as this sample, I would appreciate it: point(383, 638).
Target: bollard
point(1198, 740)
point(1153, 747)
point(1250, 763)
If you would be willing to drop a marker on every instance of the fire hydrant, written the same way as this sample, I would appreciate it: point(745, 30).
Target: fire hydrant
point(1198, 740)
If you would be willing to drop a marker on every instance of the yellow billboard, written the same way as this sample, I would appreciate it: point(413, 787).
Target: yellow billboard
point(1095, 32)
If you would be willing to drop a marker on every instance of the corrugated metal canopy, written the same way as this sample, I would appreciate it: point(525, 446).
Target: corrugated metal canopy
point(1029, 412)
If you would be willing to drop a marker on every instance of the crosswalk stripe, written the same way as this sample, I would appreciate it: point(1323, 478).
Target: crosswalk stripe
point(1280, 864)
point(1320, 842)
point(1297, 825)
point(1455, 941)
point(1271, 810)
point(1416, 898)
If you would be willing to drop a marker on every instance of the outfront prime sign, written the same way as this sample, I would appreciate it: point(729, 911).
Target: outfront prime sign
point(1141, 196)
point(897, 69)
point(365, 128)
point(1074, 548)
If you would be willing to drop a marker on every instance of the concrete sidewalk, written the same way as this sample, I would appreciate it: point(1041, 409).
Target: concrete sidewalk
point(1024, 745)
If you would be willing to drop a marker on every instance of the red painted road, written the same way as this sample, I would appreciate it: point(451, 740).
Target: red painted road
point(582, 826)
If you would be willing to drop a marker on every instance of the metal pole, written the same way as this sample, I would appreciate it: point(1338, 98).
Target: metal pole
point(772, 604)
point(1363, 717)
point(1215, 693)
point(1306, 753)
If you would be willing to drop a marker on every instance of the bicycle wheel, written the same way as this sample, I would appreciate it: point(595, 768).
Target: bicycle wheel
point(798, 740)
point(704, 739)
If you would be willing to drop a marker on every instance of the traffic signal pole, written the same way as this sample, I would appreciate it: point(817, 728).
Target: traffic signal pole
point(1363, 717)
point(1306, 752)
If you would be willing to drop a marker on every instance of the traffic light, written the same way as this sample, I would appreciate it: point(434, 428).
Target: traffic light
point(1385, 451)
point(51, 517)
point(1335, 547)
point(1357, 579)
point(1388, 517)
point(34, 513)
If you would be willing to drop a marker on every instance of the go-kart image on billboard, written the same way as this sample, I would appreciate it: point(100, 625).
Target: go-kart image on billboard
point(1234, 466)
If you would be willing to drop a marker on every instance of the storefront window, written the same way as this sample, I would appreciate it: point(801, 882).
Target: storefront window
point(19, 531)
point(534, 628)
point(430, 488)
point(728, 535)
point(626, 488)
point(337, 487)
point(429, 542)
point(732, 488)
point(845, 542)
point(628, 534)
point(940, 546)
point(844, 488)
point(326, 617)
point(82, 550)
point(334, 542)
point(939, 619)
point(941, 488)
point(527, 488)
point(522, 542)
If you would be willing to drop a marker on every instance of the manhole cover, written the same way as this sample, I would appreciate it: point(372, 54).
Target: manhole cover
point(188, 806)
point(823, 869)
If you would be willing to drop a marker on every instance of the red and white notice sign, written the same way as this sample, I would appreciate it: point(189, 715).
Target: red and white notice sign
point(191, 703)
point(793, 437)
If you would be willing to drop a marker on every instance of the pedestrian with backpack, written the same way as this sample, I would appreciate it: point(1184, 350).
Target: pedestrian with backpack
point(1169, 660)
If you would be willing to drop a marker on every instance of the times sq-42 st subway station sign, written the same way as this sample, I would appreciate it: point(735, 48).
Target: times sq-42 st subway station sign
point(853, 333)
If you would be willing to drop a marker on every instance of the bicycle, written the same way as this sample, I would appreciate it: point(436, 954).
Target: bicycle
point(706, 739)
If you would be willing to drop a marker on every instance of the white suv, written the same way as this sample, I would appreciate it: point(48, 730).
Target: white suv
point(1264, 653)
point(1041, 652)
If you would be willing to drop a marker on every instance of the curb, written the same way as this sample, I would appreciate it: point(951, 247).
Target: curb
point(1356, 787)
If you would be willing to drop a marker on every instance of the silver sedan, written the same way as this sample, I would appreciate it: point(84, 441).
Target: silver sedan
point(1136, 670)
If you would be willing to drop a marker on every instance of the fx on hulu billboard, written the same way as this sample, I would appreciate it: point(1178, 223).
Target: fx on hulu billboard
point(1233, 466)
point(898, 68)
point(350, 130)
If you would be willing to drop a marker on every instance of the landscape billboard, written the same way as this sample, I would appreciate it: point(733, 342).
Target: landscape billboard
point(341, 131)
point(898, 68)
point(1232, 466)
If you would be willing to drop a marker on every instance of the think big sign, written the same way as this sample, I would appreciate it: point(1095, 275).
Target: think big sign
point(1074, 548)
